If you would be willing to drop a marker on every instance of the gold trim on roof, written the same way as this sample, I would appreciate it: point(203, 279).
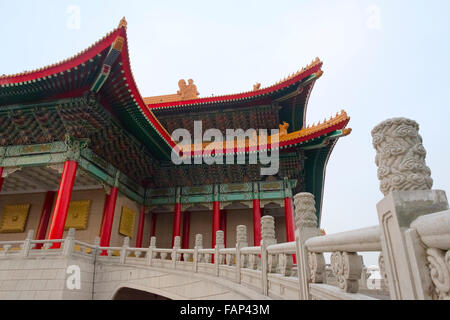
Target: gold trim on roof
point(283, 136)
point(187, 91)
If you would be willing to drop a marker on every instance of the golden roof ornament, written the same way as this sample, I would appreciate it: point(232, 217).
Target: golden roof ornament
point(187, 91)
point(123, 23)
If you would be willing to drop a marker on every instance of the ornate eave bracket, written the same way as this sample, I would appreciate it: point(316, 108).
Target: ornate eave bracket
point(74, 147)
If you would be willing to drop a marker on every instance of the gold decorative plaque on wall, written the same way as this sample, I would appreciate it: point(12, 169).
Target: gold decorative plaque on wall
point(127, 222)
point(78, 214)
point(14, 218)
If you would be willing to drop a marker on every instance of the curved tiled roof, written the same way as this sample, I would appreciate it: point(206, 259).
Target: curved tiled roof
point(85, 56)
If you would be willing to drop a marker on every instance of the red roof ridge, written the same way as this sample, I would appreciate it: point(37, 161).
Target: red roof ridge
point(65, 61)
point(315, 64)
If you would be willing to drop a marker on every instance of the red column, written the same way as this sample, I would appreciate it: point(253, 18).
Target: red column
point(256, 222)
point(108, 218)
point(104, 209)
point(290, 226)
point(45, 217)
point(215, 224)
point(140, 231)
point(154, 219)
point(216, 221)
point(176, 222)
point(1, 178)
point(186, 230)
point(289, 217)
point(223, 225)
point(62, 202)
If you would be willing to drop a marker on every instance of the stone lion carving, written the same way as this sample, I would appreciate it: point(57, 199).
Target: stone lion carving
point(283, 128)
point(400, 156)
point(187, 91)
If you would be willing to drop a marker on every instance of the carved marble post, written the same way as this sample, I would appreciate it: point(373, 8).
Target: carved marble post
point(123, 251)
point(268, 238)
point(219, 245)
point(27, 243)
point(150, 254)
point(241, 242)
point(311, 266)
point(198, 245)
point(69, 243)
point(175, 255)
point(97, 245)
point(406, 182)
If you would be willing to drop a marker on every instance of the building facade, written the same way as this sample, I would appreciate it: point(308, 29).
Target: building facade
point(81, 148)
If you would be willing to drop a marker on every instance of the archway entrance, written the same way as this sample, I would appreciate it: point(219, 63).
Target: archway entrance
point(134, 294)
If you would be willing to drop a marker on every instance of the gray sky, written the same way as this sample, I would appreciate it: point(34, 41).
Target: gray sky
point(381, 59)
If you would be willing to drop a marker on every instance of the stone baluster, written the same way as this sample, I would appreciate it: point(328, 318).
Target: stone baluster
point(347, 268)
point(163, 255)
point(219, 245)
point(311, 266)
point(27, 244)
point(123, 251)
point(267, 239)
point(241, 242)
point(69, 243)
point(229, 259)
point(198, 245)
point(97, 245)
point(285, 264)
point(405, 181)
point(175, 255)
point(150, 253)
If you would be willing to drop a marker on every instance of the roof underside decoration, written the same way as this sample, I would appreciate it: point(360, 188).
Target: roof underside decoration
point(103, 69)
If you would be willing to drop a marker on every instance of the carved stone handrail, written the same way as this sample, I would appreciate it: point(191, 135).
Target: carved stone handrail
point(207, 251)
point(367, 239)
point(434, 229)
point(251, 250)
point(227, 251)
point(187, 251)
point(282, 248)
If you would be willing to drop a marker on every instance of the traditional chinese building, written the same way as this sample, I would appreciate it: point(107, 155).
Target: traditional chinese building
point(82, 148)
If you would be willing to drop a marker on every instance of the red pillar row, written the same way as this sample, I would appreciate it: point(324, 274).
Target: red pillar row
point(256, 222)
point(176, 222)
point(108, 218)
point(62, 201)
point(186, 230)
point(140, 231)
point(45, 217)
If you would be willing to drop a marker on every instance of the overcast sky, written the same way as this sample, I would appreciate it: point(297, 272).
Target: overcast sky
point(381, 59)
